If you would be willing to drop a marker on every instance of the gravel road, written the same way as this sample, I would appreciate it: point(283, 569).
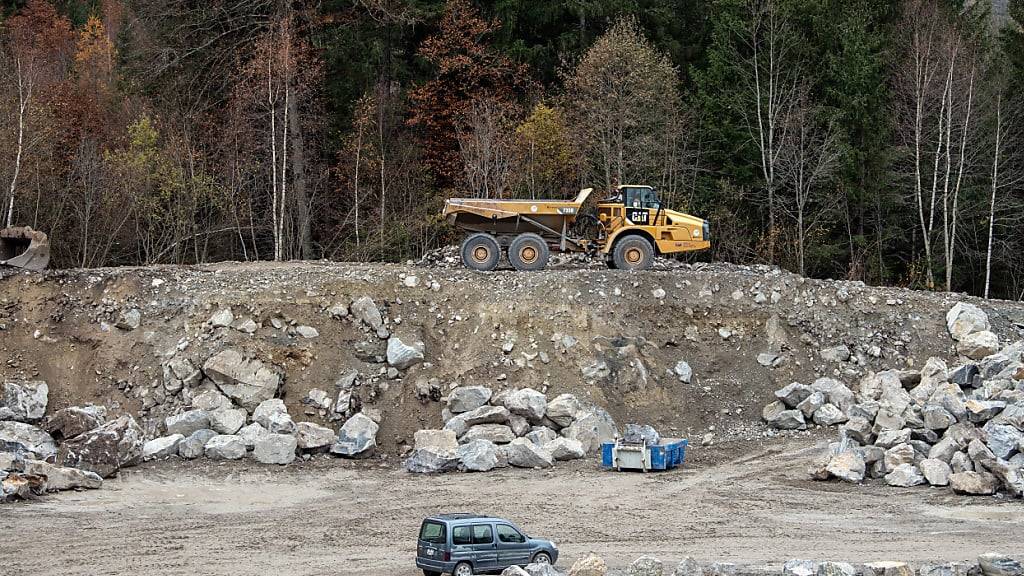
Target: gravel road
point(335, 517)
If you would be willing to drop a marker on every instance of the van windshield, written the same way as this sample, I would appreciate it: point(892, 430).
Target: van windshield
point(432, 532)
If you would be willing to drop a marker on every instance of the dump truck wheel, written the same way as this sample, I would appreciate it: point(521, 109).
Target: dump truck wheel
point(481, 252)
point(528, 252)
point(633, 253)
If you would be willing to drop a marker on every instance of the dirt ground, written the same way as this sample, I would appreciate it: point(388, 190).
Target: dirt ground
point(338, 517)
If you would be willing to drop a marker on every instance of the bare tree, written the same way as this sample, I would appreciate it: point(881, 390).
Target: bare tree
point(486, 139)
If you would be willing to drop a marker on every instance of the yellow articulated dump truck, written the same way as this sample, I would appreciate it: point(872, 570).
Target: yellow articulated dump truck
point(629, 229)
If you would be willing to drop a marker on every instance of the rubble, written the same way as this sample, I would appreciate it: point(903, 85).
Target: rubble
point(245, 381)
point(104, 450)
point(24, 401)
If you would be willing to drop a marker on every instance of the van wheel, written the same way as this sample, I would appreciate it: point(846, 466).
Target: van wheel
point(481, 252)
point(430, 573)
point(542, 558)
point(633, 253)
point(463, 569)
point(528, 252)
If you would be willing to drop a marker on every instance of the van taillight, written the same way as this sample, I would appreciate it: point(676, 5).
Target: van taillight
point(447, 556)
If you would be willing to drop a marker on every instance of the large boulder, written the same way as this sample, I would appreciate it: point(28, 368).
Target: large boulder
point(836, 393)
point(688, 567)
point(62, 477)
point(523, 453)
point(829, 415)
point(994, 564)
point(963, 319)
point(273, 415)
point(787, 420)
point(1009, 474)
point(460, 423)
point(837, 569)
point(888, 568)
point(592, 427)
point(562, 410)
point(466, 398)
point(365, 310)
point(275, 449)
point(974, 483)
point(478, 456)
point(589, 565)
point(978, 345)
point(310, 436)
point(403, 356)
point(162, 447)
point(798, 567)
point(527, 402)
point(646, 566)
point(187, 422)
point(70, 422)
point(211, 400)
point(357, 437)
point(565, 449)
point(847, 465)
point(1002, 439)
point(935, 471)
point(905, 476)
point(225, 447)
point(251, 434)
point(246, 381)
point(496, 433)
point(195, 445)
point(105, 450)
point(541, 435)
point(227, 421)
point(636, 434)
point(434, 451)
point(793, 394)
point(23, 400)
point(23, 438)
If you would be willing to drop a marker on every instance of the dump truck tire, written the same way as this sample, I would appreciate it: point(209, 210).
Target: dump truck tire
point(481, 252)
point(633, 253)
point(528, 252)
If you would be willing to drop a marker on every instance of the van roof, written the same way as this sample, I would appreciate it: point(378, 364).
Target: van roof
point(454, 516)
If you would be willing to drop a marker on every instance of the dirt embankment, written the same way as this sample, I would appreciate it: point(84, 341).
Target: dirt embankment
point(607, 336)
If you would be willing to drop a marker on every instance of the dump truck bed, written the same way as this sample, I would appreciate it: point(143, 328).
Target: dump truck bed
point(550, 219)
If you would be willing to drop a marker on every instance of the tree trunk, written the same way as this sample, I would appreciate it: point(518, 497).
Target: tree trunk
point(301, 193)
point(995, 187)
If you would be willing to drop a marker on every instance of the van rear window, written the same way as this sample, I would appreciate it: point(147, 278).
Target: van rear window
point(432, 532)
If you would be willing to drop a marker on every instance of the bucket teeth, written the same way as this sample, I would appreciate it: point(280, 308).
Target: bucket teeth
point(23, 247)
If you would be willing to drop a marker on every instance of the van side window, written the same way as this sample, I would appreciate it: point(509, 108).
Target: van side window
point(509, 534)
point(461, 535)
point(482, 534)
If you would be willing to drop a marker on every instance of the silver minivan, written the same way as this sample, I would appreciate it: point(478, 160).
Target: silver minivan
point(466, 544)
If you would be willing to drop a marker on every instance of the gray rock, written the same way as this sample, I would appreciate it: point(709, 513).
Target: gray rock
point(961, 462)
point(562, 410)
point(523, 453)
point(974, 483)
point(318, 398)
point(683, 371)
point(963, 433)
point(794, 394)
point(947, 569)
point(72, 421)
point(246, 381)
point(837, 569)
point(460, 423)
point(306, 332)
point(467, 398)
point(937, 418)
point(527, 402)
point(61, 477)
point(478, 456)
point(195, 445)
point(800, 568)
point(848, 465)
point(592, 427)
point(273, 415)
point(222, 318)
point(978, 345)
point(721, 569)
point(179, 372)
point(963, 319)
point(935, 471)
point(829, 415)
point(788, 420)
point(187, 422)
point(839, 353)
point(645, 566)
point(965, 376)
point(811, 404)
point(769, 359)
point(1011, 476)
point(542, 570)
point(688, 567)
point(1002, 439)
point(357, 437)
point(899, 455)
point(225, 447)
point(310, 436)
point(635, 434)
point(514, 571)
point(519, 425)
point(889, 438)
point(905, 476)
point(161, 447)
point(888, 569)
point(104, 450)
point(981, 411)
point(495, 433)
point(980, 453)
point(944, 450)
point(24, 400)
point(129, 320)
point(23, 438)
point(227, 421)
point(365, 310)
point(994, 564)
point(835, 392)
point(950, 397)
point(565, 449)
point(434, 451)
point(275, 449)
point(401, 355)
point(251, 434)
point(857, 429)
point(211, 400)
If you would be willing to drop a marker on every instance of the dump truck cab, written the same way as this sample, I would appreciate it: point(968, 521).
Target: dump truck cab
point(629, 228)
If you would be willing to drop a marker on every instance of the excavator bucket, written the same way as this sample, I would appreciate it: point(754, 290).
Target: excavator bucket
point(23, 247)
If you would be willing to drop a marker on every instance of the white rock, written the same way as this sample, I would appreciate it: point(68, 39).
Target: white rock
point(307, 331)
point(161, 447)
point(683, 371)
point(273, 415)
point(275, 449)
point(246, 381)
point(225, 447)
point(24, 401)
point(310, 436)
point(251, 434)
point(357, 437)
point(401, 355)
point(523, 453)
point(222, 318)
point(565, 449)
point(963, 319)
point(187, 422)
point(562, 410)
point(227, 421)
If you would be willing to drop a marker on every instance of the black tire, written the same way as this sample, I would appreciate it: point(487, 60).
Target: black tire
point(430, 573)
point(528, 252)
point(460, 568)
point(481, 252)
point(541, 558)
point(633, 253)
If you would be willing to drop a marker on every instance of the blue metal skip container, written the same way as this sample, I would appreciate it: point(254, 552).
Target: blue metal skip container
point(666, 455)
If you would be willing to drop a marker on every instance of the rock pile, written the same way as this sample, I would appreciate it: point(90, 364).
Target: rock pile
point(825, 402)
point(521, 428)
point(961, 427)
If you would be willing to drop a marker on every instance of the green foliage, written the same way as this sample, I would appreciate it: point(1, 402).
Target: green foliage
point(545, 152)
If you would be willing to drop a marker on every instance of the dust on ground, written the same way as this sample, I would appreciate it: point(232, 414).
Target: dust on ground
point(754, 506)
